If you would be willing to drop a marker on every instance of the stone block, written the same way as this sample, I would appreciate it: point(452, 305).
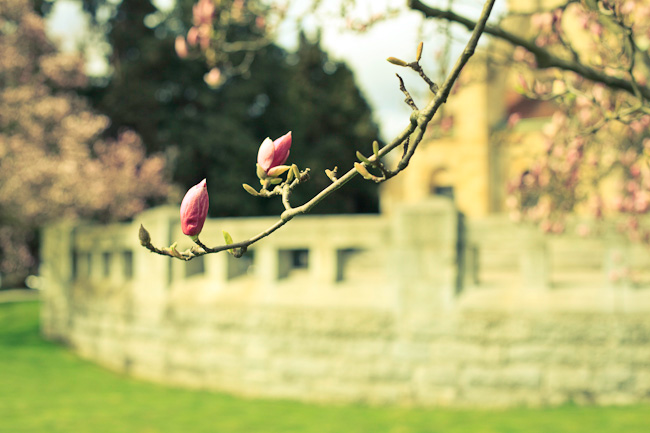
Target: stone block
point(527, 353)
point(436, 375)
point(516, 376)
point(192, 378)
point(569, 379)
point(493, 397)
point(613, 379)
point(435, 395)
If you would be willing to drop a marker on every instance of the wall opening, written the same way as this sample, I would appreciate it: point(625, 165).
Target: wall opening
point(127, 258)
point(106, 264)
point(292, 260)
point(344, 262)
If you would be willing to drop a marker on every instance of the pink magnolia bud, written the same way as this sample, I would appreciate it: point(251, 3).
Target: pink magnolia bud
point(274, 153)
point(194, 209)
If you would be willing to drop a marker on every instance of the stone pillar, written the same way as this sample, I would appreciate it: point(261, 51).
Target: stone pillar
point(266, 264)
point(534, 261)
point(217, 268)
point(470, 269)
point(118, 267)
point(323, 263)
point(616, 268)
point(96, 266)
point(152, 272)
point(424, 253)
point(57, 272)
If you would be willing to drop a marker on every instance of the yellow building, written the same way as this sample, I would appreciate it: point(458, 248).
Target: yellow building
point(473, 161)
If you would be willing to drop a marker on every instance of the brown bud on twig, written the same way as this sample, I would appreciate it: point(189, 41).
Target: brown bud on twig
point(418, 54)
point(304, 175)
point(145, 238)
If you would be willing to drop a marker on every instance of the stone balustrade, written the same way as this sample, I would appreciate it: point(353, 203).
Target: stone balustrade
point(419, 307)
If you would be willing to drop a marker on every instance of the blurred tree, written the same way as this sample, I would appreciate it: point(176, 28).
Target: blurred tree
point(215, 131)
point(332, 121)
point(53, 163)
point(591, 59)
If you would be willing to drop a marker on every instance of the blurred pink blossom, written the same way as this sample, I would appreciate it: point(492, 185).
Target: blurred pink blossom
point(203, 12)
point(213, 77)
point(181, 47)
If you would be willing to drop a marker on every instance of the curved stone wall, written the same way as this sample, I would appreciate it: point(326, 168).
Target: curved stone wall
point(350, 309)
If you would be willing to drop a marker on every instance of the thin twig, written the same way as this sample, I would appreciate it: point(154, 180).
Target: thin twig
point(544, 58)
point(413, 132)
point(409, 100)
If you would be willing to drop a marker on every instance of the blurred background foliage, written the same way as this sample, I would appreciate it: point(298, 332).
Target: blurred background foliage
point(154, 122)
point(215, 133)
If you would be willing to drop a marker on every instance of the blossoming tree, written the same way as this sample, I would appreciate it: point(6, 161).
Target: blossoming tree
point(53, 163)
point(590, 60)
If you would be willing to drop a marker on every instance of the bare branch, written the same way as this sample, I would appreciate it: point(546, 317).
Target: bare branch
point(413, 133)
point(543, 57)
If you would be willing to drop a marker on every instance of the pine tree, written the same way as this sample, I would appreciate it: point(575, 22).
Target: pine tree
point(215, 133)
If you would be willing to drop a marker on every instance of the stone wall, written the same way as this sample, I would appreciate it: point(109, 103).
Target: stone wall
point(414, 309)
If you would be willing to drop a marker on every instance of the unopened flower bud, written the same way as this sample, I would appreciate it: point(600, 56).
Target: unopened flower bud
point(194, 209)
point(143, 234)
point(274, 153)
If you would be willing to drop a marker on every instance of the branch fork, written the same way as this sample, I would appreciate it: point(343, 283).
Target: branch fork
point(409, 138)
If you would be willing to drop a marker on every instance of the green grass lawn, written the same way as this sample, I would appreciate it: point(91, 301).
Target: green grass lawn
point(45, 388)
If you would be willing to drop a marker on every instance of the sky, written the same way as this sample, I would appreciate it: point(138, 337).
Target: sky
point(365, 52)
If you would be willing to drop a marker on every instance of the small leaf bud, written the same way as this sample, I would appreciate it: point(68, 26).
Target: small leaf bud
point(363, 158)
point(332, 174)
point(278, 170)
point(249, 189)
point(363, 171)
point(228, 239)
point(396, 61)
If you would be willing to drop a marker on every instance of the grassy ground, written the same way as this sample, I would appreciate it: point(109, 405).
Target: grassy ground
point(45, 388)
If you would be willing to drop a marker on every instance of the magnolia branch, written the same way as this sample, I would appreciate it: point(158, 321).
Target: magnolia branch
point(410, 137)
point(543, 57)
